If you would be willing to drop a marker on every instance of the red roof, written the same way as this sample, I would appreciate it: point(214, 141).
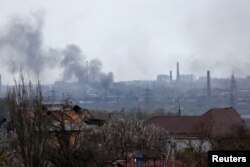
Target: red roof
point(176, 124)
point(218, 121)
point(222, 120)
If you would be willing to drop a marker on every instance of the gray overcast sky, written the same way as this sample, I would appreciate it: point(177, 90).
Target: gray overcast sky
point(138, 39)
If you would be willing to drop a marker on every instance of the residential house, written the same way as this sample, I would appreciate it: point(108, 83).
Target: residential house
point(196, 131)
point(64, 122)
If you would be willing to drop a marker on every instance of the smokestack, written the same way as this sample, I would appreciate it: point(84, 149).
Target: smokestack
point(170, 75)
point(85, 79)
point(233, 90)
point(208, 84)
point(87, 71)
point(178, 72)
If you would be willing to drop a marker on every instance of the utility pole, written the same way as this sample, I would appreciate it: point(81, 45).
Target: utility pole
point(179, 108)
point(171, 152)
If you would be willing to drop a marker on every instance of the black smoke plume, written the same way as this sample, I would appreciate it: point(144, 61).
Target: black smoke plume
point(21, 45)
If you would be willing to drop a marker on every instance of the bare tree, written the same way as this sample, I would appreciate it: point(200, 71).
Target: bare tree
point(237, 139)
point(43, 139)
point(121, 138)
point(29, 124)
point(69, 141)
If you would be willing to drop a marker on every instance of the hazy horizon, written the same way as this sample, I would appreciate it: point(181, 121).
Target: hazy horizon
point(134, 40)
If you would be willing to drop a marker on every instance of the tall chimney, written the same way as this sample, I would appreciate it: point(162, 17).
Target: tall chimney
point(85, 79)
point(178, 72)
point(233, 90)
point(208, 84)
point(87, 72)
point(171, 76)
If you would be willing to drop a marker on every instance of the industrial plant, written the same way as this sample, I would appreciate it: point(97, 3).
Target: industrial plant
point(184, 94)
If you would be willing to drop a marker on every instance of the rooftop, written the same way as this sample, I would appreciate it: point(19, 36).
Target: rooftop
point(215, 122)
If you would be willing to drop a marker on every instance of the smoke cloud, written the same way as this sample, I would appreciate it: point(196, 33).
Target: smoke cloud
point(219, 38)
point(95, 75)
point(21, 46)
point(72, 63)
